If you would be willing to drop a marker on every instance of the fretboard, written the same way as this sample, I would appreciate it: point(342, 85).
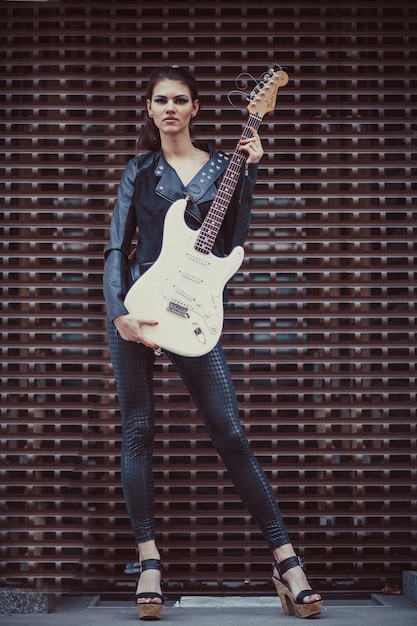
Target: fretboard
point(215, 216)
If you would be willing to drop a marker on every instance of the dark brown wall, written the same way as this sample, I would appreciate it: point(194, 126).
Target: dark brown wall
point(320, 333)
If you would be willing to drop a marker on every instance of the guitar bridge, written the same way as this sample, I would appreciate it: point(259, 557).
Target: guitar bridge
point(179, 309)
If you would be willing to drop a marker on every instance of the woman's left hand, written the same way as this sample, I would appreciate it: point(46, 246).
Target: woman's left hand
point(253, 147)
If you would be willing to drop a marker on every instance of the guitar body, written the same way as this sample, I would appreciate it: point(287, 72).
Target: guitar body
point(183, 290)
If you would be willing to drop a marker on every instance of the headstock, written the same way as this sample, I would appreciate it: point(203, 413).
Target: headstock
point(263, 98)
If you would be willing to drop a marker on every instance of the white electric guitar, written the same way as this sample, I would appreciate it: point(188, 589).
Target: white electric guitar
point(183, 289)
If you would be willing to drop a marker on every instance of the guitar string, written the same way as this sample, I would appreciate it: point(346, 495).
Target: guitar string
point(214, 218)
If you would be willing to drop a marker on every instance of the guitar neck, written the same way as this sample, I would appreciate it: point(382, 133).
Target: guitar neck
point(215, 216)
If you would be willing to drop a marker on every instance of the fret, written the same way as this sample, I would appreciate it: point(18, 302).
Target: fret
point(214, 218)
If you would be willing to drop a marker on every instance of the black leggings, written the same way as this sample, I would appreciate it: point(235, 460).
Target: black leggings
point(209, 383)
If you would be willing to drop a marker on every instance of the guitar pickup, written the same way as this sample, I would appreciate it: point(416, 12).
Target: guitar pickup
point(183, 293)
point(195, 279)
point(203, 260)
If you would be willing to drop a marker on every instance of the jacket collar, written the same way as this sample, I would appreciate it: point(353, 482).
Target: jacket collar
point(200, 188)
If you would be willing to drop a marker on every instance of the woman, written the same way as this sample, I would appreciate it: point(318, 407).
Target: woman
point(150, 183)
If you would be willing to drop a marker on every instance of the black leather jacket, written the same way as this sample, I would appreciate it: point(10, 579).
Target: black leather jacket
point(147, 188)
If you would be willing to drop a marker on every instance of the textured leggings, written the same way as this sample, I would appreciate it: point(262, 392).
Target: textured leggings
point(208, 381)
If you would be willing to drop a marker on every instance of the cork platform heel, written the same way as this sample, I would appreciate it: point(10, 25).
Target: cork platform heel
point(147, 610)
point(291, 605)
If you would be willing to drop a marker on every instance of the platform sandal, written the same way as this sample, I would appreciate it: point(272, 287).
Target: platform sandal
point(291, 605)
point(147, 610)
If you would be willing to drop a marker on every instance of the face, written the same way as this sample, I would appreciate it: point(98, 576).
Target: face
point(171, 106)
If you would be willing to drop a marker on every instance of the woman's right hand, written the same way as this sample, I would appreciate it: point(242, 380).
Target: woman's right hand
point(130, 329)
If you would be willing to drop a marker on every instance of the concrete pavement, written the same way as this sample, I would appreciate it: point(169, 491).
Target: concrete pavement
point(378, 610)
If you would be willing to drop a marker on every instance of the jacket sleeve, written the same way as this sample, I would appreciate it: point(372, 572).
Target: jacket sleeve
point(116, 253)
point(238, 219)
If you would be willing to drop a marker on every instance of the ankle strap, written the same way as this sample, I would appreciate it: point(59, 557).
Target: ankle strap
point(292, 561)
point(151, 564)
point(140, 566)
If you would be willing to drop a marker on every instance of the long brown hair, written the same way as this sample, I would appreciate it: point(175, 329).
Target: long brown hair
point(149, 138)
